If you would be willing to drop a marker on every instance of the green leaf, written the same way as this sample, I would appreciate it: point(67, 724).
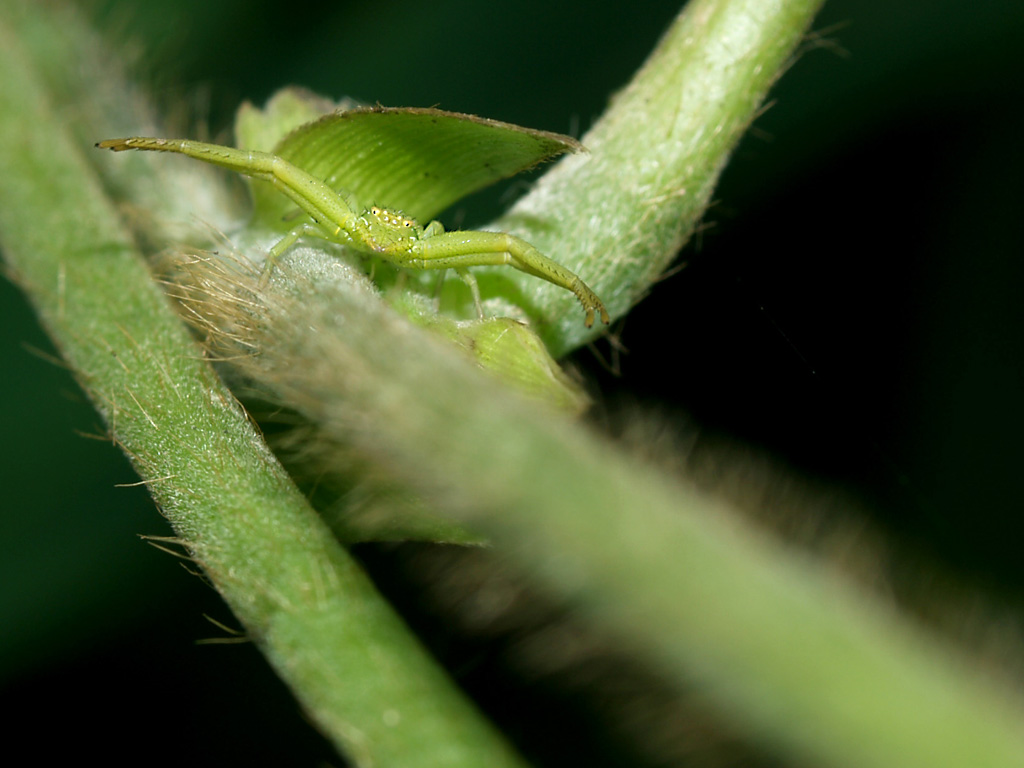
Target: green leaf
point(418, 161)
point(289, 108)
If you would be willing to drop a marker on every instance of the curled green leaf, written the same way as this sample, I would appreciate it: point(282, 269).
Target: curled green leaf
point(418, 161)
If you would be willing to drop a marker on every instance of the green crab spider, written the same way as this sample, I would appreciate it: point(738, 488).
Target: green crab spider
point(378, 231)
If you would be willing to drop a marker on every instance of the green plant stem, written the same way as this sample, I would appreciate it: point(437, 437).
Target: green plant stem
point(778, 642)
point(353, 664)
point(624, 210)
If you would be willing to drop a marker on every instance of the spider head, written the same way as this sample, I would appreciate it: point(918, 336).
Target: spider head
point(388, 229)
point(393, 219)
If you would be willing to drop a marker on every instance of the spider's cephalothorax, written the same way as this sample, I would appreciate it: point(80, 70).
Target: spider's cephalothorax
point(386, 229)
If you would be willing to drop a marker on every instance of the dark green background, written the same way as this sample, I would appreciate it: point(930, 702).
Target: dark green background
point(852, 311)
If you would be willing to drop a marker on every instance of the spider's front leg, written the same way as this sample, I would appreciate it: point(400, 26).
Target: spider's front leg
point(332, 221)
point(435, 228)
point(437, 249)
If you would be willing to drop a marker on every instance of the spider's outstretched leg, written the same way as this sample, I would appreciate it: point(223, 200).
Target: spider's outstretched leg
point(458, 250)
point(332, 210)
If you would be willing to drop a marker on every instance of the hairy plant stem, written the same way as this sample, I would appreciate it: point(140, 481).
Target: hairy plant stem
point(788, 652)
point(363, 678)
